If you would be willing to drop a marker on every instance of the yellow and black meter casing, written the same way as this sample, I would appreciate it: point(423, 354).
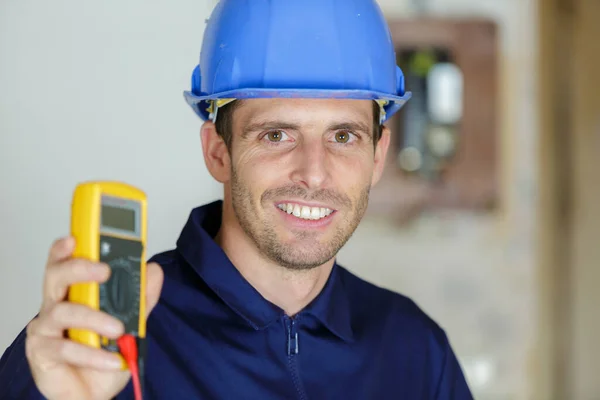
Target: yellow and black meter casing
point(108, 223)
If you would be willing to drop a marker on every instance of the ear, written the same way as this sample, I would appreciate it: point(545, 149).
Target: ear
point(215, 152)
point(380, 155)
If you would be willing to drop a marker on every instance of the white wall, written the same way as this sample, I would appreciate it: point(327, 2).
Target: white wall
point(92, 90)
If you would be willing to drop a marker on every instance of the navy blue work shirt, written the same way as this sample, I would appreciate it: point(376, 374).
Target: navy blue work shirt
point(213, 336)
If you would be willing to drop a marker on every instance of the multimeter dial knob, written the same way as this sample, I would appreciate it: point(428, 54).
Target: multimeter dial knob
point(121, 289)
point(120, 295)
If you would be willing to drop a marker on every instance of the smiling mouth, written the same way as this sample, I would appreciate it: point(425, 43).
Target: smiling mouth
point(305, 212)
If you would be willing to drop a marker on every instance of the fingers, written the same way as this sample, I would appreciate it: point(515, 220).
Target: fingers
point(155, 277)
point(46, 346)
point(45, 353)
point(53, 321)
point(61, 249)
point(59, 276)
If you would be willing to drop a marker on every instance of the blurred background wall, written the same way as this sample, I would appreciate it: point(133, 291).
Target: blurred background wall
point(513, 282)
point(569, 228)
point(474, 270)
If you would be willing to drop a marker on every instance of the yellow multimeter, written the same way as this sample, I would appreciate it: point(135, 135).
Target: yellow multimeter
point(108, 222)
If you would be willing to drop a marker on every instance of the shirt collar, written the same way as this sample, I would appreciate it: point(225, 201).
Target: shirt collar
point(332, 306)
point(196, 244)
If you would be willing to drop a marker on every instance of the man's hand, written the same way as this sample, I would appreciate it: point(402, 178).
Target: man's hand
point(61, 368)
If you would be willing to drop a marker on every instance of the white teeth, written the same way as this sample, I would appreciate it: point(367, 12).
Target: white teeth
point(315, 213)
point(304, 212)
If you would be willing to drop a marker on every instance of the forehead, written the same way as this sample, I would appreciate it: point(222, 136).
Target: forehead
point(308, 110)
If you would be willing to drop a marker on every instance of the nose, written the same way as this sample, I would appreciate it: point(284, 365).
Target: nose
point(311, 165)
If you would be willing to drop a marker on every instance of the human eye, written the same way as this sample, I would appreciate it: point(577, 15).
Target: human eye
point(276, 136)
point(344, 137)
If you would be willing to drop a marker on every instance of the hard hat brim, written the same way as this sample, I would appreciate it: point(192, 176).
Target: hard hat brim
point(200, 104)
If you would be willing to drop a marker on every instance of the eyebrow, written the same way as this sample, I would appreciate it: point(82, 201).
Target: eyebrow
point(262, 126)
point(351, 126)
point(267, 126)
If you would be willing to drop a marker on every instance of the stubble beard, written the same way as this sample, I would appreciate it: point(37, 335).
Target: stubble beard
point(307, 252)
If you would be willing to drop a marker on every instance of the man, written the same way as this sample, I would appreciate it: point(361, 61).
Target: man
point(251, 303)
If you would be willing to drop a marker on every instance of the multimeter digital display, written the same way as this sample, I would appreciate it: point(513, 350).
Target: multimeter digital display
point(108, 223)
point(119, 218)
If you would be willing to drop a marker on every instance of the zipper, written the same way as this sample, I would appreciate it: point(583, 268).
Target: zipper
point(293, 349)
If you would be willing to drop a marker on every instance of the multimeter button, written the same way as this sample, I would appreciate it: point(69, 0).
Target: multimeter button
point(104, 248)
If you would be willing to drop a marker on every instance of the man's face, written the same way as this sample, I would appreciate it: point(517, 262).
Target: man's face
point(301, 171)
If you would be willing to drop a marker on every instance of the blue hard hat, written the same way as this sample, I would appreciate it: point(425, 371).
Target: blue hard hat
point(296, 49)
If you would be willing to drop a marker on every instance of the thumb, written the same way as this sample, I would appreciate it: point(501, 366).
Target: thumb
point(154, 282)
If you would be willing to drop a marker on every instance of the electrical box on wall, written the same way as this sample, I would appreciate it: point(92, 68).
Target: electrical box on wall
point(444, 141)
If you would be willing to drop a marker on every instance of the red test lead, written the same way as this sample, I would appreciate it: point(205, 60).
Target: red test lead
point(128, 347)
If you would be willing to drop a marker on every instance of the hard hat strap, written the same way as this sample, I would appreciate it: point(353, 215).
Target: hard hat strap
point(214, 106)
point(382, 112)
